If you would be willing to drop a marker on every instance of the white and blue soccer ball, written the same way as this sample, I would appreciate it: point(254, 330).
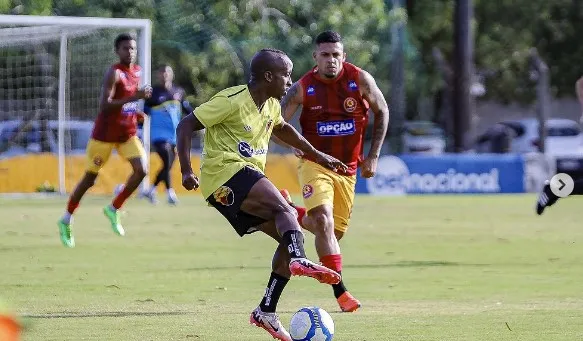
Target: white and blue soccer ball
point(311, 324)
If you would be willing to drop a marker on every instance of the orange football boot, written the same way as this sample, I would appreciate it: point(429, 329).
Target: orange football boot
point(348, 303)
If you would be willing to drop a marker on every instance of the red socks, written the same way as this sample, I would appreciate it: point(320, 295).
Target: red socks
point(301, 214)
point(118, 201)
point(72, 206)
point(121, 198)
point(333, 262)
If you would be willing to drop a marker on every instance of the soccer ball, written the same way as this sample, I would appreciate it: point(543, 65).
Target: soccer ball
point(311, 324)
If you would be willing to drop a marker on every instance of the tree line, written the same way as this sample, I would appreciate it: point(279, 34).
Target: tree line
point(210, 42)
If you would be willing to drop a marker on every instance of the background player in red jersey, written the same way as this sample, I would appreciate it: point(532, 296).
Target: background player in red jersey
point(115, 127)
point(335, 97)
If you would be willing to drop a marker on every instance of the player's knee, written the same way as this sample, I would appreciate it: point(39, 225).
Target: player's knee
point(324, 224)
point(307, 223)
point(290, 211)
point(140, 171)
point(284, 208)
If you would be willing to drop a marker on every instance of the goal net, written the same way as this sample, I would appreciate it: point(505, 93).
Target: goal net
point(51, 71)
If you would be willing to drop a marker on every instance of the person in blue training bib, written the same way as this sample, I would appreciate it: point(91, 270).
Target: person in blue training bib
point(165, 109)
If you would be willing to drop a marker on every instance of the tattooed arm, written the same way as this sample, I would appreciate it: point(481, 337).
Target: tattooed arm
point(378, 105)
point(292, 100)
point(290, 104)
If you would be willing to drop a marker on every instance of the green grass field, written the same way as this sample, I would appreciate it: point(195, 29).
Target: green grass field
point(425, 268)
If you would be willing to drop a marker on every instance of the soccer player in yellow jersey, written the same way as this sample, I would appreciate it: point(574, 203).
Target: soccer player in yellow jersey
point(239, 122)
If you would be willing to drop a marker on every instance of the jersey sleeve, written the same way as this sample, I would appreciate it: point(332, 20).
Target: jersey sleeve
point(214, 111)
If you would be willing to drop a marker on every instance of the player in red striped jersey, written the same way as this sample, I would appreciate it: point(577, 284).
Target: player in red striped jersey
point(115, 128)
point(335, 97)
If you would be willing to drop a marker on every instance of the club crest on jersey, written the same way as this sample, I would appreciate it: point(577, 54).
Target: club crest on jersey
point(349, 104)
point(269, 124)
point(98, 161)
point(224, 195)
point(307, 191)
point(336, 128)
point(311, 90)
point(352, 86)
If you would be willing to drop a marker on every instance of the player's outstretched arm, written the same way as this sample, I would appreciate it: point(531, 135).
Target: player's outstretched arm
point(185, 104)
point(290, 136)
point(378, 105)
point(290, 103)
point(108, 102)
point(186, 127)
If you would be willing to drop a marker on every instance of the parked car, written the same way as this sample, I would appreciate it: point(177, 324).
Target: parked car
point(423, 137)
point(496, 139)
point(564, 141)
point(41, 136)
point(16, 140)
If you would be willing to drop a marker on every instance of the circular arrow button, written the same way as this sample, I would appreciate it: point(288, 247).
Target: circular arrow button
point(562, 185)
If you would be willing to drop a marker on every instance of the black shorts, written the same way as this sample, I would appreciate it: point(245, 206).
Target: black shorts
point(229, 197)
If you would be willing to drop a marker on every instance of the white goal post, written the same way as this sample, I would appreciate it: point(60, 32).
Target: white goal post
point(51, 69)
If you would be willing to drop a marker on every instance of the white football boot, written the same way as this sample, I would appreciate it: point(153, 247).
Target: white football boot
point(271, 323)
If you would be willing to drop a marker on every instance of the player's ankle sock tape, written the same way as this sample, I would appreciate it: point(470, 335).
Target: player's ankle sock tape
point(275, 287)
point(294, 242)
point(339, 288)
point(333, 262)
